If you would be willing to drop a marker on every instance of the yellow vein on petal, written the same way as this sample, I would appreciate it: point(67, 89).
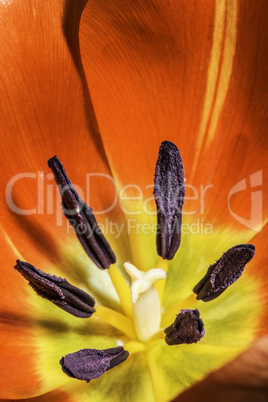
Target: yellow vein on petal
point(12, 245)
point(219, 71)
point(139, 240)
point(122, 289)
point(226, 66)
point(116, 319)
point(160, 285)
point(134, 347)
point(213, 69)
point(118, 187)
point(158, 386)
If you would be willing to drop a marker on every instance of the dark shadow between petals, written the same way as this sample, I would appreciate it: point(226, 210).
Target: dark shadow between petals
point(71, 20)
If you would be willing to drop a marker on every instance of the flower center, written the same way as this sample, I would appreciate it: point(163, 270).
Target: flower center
point(146, 304)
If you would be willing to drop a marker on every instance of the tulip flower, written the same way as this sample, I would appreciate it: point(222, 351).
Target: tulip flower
point(102, 85)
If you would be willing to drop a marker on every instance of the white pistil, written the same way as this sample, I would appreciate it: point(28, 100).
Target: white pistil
point(145, 300)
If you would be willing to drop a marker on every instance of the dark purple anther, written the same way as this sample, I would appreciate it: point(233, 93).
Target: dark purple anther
point(187, 328)
point(81, 217)
point(224, 272)
point(87, 364)
point(169, 193)
point(57, 290)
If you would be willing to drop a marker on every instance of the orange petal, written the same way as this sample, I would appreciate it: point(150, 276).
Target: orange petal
point(189, 72)
point(242, 380)
point(250, 368)
point(233, 139)
point(46, 110)
point(258, 270)
point(54, 396)
point(147, 76)
point(13, 293)
point(18, 378)
point(46, 104)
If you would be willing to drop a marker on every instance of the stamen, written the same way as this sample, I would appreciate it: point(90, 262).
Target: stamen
point(88, 364)
point(224, 272)
point(81, 217)
point(169, 193)
point(145, 300)
point(58, 290)
point(187, 328)
point(122, 289)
